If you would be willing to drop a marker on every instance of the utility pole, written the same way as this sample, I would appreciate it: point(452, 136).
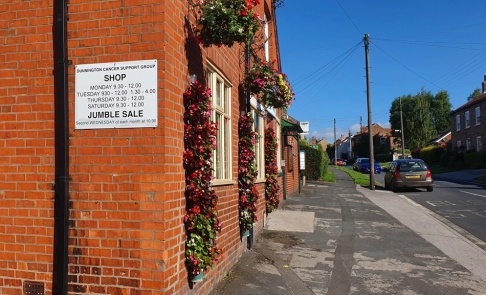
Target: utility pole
point(335, 145)
point(370, 124)
point(401, 130)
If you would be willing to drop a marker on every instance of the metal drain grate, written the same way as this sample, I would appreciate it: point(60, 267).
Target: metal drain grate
point(33, 288)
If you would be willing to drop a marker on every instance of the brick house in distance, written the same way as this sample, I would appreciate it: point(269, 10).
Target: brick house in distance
point(382, 139)
point(467, 124)
point(92, 194)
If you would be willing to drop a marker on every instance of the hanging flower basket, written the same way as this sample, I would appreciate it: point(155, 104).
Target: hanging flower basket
point(198, 278)
point(224, 22)
point(269, 86)
point(201, 221)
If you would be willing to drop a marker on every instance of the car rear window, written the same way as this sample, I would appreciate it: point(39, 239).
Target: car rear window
point(365, 161)
point(413, 166)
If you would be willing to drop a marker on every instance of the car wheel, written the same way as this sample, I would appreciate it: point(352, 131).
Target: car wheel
point(393, 187)
point(430, 188)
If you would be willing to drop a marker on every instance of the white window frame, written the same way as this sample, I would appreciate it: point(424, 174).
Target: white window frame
point(477, 111)
point(468, 144)
point(259, 148)
point(267, 37)
point(467, 119)
point(479, 144)
point(221, 113)
point(458, 122)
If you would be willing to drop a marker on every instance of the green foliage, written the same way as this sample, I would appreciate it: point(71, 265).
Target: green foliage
point(475, 159)
point(329, 176)
point(358, 177)
point(424, 116)
point(432, 154)
point(316, 163)
point(268, 85)
point(440, 108)
point(475, 93)
point(330, 150)
point(224, 22)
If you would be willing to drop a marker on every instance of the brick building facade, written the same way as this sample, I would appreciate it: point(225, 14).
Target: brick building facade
point(468, 130)
point(126, 185)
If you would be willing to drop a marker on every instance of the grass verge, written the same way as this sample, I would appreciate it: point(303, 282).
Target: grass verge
point(329, 176)
point(438, 169)
point(358, 177)
point(481, 179)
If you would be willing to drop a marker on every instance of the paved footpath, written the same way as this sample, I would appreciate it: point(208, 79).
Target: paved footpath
point(342, 239)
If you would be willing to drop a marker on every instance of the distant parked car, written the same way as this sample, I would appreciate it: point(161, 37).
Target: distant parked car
point(408, 173)
point(363, 165)
point(339, 162)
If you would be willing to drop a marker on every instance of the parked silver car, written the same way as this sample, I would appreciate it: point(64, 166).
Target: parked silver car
point(408, 173)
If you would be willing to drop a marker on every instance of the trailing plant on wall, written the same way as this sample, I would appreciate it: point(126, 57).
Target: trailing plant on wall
point(224, 22)
point(271, 171)
point(201, 221)
point(247, 173)
point(269, 87)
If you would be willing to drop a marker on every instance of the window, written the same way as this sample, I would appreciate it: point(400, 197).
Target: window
point(458, 122)
point(478, 115)
point(258, 127)
point(466, 116)
point(479, 145)
point(265, 30)
point(458, 144)
point(221, 114)
point(468, 144)
point(382, 140)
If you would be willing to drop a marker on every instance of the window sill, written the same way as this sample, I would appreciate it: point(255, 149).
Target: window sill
point(221, 182)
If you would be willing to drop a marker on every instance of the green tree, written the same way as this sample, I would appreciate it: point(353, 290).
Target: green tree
point(405, 104)
point(424, 116)
point(475, 93)
point(330, 150)
point(420, 123)
point(440, 107)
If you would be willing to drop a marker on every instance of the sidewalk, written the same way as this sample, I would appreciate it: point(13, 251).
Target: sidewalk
point(341, 239)
point(466, 175)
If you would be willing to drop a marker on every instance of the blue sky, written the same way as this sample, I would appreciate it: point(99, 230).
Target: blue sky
point(414, 44)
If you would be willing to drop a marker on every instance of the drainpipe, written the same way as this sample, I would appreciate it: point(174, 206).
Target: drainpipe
point(249, 241)
point(61, 219)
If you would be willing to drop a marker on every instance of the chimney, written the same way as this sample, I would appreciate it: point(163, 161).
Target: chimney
point(484, 85)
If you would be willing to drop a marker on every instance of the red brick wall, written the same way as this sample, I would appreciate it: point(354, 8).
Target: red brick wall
point(474, 130)
point(126, 185)
point(26, 144)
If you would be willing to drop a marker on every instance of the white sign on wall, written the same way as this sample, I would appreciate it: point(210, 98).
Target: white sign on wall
point(116, 95)
point(302, 160)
